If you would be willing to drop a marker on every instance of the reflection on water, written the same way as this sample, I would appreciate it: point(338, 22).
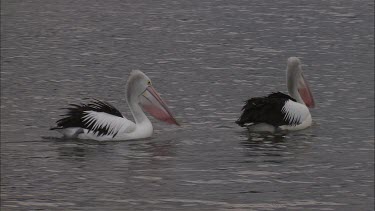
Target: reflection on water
point(206, 57)
point(275, 148)
point(255, 138)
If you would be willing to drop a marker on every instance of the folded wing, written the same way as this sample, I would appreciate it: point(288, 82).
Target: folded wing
point(275, 109)
point(98, 117)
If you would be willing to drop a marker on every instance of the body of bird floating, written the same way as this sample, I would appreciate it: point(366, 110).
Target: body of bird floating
point(101, 121)
point(279, 111)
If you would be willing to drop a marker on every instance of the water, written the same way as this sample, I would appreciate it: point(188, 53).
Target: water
point(205, 58)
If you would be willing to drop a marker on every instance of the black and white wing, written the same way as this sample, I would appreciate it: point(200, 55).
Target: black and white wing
point(275, 109)
point(98, 117)
point(295, 113)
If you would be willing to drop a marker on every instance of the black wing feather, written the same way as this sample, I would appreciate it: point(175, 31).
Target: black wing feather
point(265, 110)
point(76, 113)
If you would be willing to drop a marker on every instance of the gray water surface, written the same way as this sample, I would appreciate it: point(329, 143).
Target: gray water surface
point(205, 58)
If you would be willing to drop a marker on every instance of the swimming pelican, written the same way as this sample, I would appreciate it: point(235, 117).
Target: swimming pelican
point(101, 121)
point(279, 111)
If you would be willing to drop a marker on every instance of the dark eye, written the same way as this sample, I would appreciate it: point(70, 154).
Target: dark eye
point(149, 83)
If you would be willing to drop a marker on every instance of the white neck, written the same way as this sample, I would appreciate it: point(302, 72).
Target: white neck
point(137, 112)
point(292, 84)
point(143, 126)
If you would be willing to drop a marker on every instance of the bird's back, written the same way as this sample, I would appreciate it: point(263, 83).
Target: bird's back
point(265, 110)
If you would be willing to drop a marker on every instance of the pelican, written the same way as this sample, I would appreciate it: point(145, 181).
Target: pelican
point(99, 120)
point(278, 111)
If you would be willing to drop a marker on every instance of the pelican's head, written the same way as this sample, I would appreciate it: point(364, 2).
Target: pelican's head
point(139, 89)
point(297, 85)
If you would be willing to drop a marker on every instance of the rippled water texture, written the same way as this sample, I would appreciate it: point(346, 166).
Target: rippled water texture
point(205, 58)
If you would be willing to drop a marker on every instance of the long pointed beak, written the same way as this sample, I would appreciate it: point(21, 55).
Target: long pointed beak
point(151, 102)
point(304, 91)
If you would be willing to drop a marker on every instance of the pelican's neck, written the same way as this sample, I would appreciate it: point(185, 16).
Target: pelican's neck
point(292, 84)
point(143, 126)
point(132, 99)
point(137, 112)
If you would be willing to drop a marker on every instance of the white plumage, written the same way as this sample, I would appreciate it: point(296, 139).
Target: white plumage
point(114, 124)
point(295, 113)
